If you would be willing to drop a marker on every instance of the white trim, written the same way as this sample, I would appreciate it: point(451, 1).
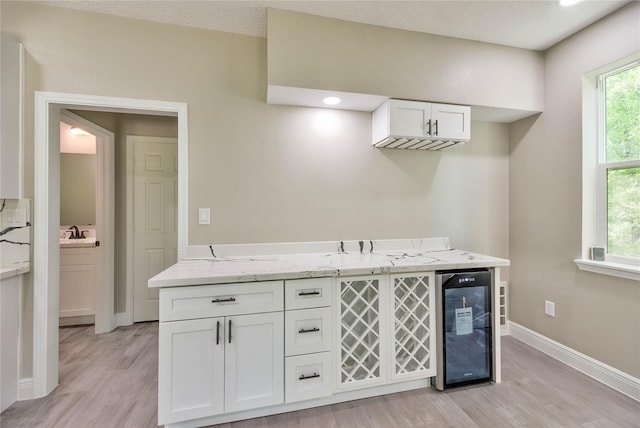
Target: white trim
point(105, 212)
point(122, 319)
point(46, 257)
point(619, 270)
point(25, 389)
point(610, 376)
point(129, 225)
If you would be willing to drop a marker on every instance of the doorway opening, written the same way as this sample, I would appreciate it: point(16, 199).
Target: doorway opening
point(86, 204)
point(46, 257)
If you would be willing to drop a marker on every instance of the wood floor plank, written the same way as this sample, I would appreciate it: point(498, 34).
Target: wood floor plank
point(110, 380)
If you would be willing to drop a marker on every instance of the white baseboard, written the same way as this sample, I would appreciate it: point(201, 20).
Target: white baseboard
point(25, 389)
point(123, 318)
point(610, 376)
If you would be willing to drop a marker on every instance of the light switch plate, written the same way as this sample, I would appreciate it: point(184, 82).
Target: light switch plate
point(204, 216)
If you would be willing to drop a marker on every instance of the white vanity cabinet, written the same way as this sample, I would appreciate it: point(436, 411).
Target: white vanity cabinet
point(212, 364)
point(77, 281)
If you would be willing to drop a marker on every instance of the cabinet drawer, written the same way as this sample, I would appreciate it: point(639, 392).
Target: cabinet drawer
point(308, 293)
point(307, 377)
point(307, 331)
point(180, 303)
point(77, 256)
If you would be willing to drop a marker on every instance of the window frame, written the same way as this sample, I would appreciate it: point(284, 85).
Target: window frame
point(603, 166)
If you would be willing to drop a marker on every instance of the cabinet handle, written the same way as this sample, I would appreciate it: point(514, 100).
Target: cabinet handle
point(218, 333)
point(435, 125)
point(303, 377)
point(311, 330)
point(429, 125)
point(309, 293)
point(229, 331)
point(230, 299)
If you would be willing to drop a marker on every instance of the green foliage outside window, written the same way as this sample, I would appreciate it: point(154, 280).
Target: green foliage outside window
point(622, 122)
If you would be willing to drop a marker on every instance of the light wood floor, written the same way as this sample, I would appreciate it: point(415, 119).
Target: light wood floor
point(110, 380)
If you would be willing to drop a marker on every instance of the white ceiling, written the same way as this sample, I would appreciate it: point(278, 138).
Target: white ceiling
point(531, 24)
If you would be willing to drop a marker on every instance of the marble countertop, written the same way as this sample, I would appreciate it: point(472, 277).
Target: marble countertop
point(218, 270)
point(18, 269)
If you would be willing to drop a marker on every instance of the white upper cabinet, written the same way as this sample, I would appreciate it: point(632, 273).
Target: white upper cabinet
point(11, 99)
point(405, 124)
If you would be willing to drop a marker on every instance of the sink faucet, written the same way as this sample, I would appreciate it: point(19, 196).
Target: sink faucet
point(75, 235)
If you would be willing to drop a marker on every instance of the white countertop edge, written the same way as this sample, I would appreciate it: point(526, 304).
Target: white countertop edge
point(195, 277)
point(619, 270)
point(13, 271)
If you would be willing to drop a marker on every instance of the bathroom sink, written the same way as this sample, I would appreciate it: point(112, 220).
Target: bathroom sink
point(77, 243)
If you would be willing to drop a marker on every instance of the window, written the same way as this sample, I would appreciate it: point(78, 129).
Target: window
point(618, 171)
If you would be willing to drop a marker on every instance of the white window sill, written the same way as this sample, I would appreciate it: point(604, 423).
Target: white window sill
point(620, 270)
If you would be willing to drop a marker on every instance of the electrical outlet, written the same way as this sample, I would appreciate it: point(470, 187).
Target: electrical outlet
point(550, 308)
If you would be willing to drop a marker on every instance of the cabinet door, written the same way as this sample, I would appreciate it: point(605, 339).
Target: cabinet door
point(409, 118)
point(190, 369)
point(450, 122)
point(254, 358)
point(361, 341)
point(413, 298)
point(77, 290)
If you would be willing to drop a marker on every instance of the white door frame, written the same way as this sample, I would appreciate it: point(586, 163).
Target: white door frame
point(105, 209)
point(130, 141)
point(46, 224)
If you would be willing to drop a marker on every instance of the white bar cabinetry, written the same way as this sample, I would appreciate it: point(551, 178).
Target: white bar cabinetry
point(386, 329)
point(222, 364)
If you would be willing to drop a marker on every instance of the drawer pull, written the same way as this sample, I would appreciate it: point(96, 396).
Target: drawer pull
point(303, 377)
point(230, 299)
point(309, 293)
point(311, 330)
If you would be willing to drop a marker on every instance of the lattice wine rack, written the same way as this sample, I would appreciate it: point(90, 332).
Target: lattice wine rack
point(360, 330)
point(413, 328)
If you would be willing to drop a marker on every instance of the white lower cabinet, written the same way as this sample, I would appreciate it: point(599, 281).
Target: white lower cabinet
point(217, 365)
point(190, 370)
point(361, 360)
point(413, 305)
point(386, 329)
point(312, 339)
point(308, 376)
point(254, 356)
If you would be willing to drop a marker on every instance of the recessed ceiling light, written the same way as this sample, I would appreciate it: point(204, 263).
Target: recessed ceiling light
point(78, 131)
point(569, 2)
point(331, 101)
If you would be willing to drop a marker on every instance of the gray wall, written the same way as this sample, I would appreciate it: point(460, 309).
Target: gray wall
point(595, 314)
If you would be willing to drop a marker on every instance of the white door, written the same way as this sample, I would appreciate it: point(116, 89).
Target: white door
point(191, 369)
point(254, 361)
point(155, 196)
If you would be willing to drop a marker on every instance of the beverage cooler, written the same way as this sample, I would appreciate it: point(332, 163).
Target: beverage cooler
point(464, 338)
